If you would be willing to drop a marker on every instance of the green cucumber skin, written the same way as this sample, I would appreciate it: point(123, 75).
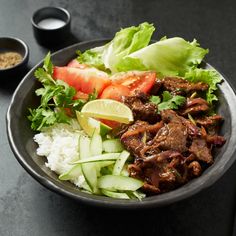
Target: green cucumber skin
point(88, 169)
point(124, 171)
point(99, 158)
point(120, 162)
point(114, 194)
point(84, 147)
point(112, 145)
point(74, 172)
point(92, 160)
point(117, 182)
point(96, 145)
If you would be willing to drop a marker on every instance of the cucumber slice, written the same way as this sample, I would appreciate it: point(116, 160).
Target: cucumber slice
point(84, 147)
point(117, 182)
point(107, 170)
point(120, 162)
point(135, 195)
point(89, 169)
point(96, 145)
point(125, 171)
point(139, 195)
point(112, 145)
point(103, 157)
point(74, 172)
point(103, 164)
point(114, 194)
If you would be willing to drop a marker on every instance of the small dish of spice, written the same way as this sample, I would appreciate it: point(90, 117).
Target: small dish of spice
point(14, 56)
point(9, 59)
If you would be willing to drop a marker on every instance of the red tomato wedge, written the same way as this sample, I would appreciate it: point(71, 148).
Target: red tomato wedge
point(74, 63)
point(135, 80)
point(84, 80)
point(115, 92)
point(81, 95)
point(110, 123)
point(125, 84)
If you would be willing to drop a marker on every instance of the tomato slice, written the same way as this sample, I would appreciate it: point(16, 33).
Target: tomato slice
point(110, 123)
point(135, 80)
point(115, 92)
point(126, 84)
point(74, 63)
point(84, 80)
point(81, 95)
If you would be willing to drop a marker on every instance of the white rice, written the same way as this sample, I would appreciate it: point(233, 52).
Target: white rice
point(59, 144)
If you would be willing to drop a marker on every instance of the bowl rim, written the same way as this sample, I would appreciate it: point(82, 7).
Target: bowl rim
point(26, 52)
point(191, 187)
point(35, 25)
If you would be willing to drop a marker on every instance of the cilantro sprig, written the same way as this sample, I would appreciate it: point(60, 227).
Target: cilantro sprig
point(168, 101)
point(57, 98)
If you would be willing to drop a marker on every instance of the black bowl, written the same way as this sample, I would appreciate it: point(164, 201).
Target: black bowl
point(14, 45)
point(21, 140)
point(55, 36)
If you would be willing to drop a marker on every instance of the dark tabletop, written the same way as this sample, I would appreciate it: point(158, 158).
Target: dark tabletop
point(27, 208)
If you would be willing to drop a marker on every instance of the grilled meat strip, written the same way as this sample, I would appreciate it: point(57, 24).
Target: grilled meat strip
point(168, 153)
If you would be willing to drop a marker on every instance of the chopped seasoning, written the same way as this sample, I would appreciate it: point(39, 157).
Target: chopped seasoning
point(9, 59)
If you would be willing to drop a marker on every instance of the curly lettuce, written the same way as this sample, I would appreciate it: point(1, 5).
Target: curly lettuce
point(130, 50)
point(125, 42)
point(210, 77)
point(168, 57)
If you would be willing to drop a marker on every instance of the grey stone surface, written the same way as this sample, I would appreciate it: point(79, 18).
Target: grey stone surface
point(27, 208)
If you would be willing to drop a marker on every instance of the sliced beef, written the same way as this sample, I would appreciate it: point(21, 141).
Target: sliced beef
point(168, 148)
point(150, 188)
point(135, 138)
point(193, 130)
point(161, 172)
point(120, 130)
point(207, 121)
point(156, 87)
point(194, 169)
point(180, 86)
point(171, 116)
point(173, 136)
point(201, 151)
point(141, 108)
point(194, 106)
point(216, 140)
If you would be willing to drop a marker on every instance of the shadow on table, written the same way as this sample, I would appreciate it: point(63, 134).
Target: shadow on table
point(9, 84)
point(70, 40)
point(192, 216)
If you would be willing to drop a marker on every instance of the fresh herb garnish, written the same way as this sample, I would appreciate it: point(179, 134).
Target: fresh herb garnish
point(57, 99)
point(168, 101)
point(155, 99)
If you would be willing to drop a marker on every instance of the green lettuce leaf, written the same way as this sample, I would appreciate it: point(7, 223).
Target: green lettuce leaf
point(125, 42)
point(92, 57)
point(174, 56)
point(211, 77)
point(129, 50)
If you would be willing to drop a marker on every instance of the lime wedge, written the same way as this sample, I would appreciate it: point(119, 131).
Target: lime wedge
point(89, 125)
point(108, 109)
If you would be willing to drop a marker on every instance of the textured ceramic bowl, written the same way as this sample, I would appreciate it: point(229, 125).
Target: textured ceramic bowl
point(21, 140)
